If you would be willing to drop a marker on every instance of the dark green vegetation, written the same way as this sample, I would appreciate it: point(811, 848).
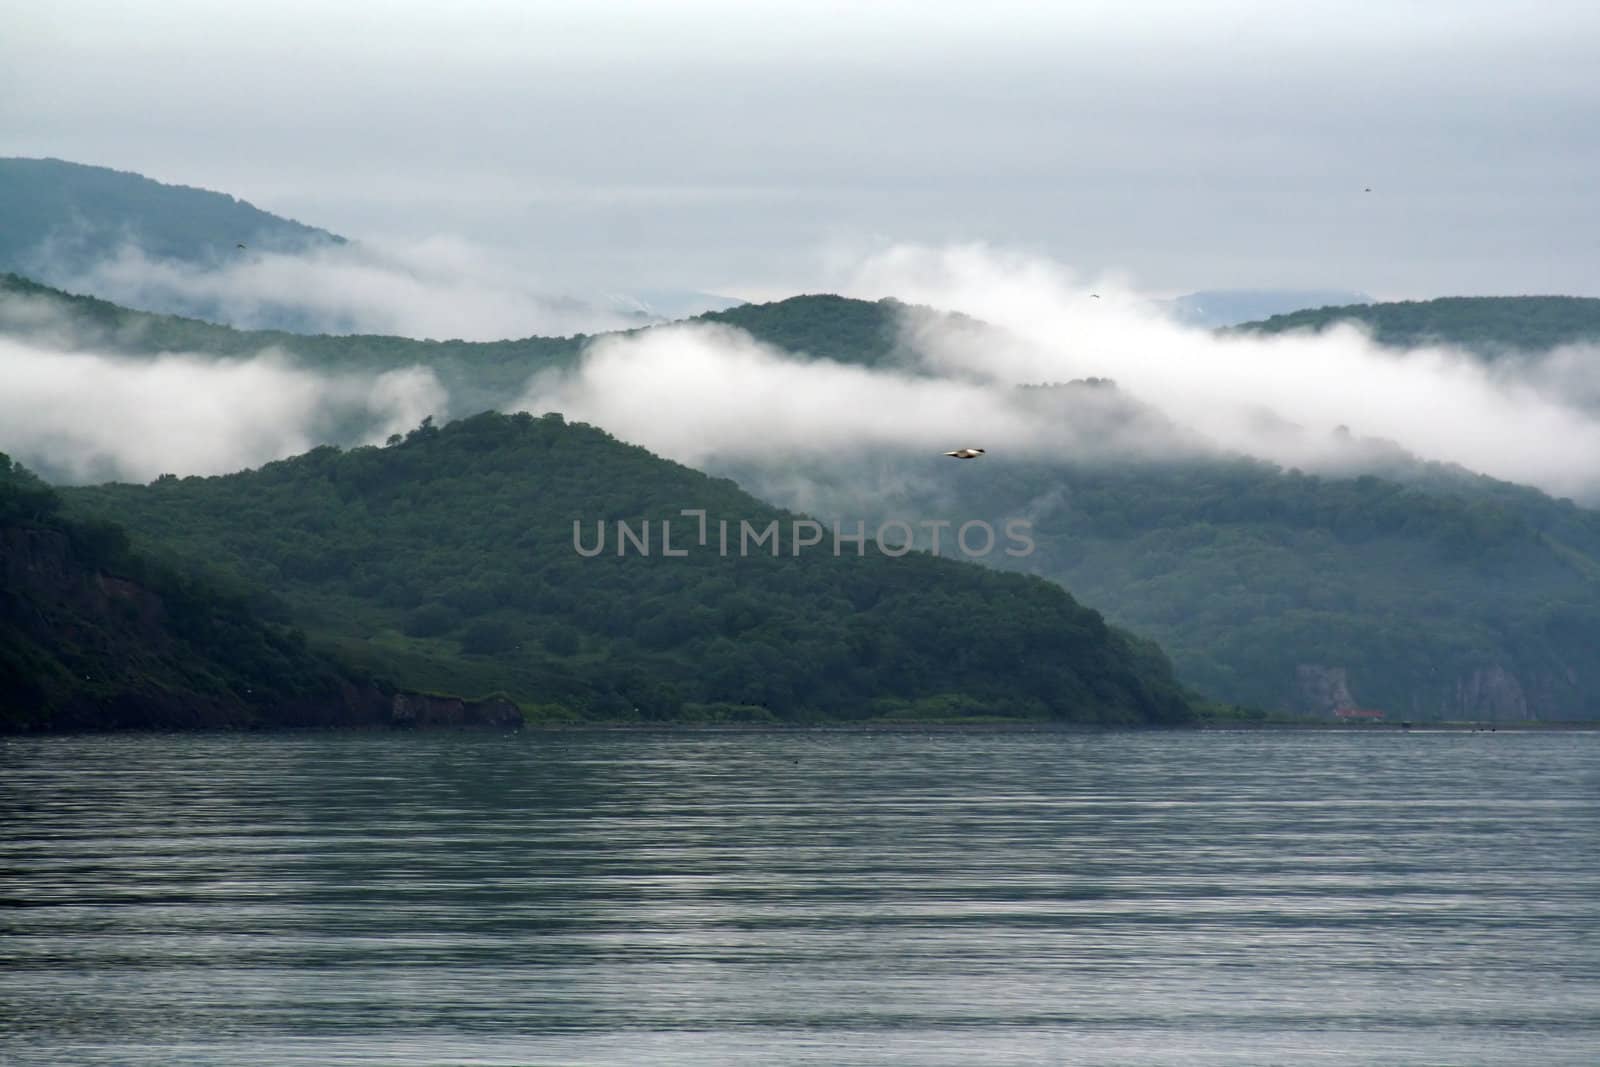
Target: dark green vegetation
point(479, 375)
point(1419, 589)
point(93, 634)
point(1228, 307)
point(1447, 598)
point(485, 374)
point(1412, 587)
point(58, 218)
point(447, 562)
point(826, 327)
point(1487, 325)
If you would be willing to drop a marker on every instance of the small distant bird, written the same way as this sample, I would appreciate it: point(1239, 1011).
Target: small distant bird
point(239, 245)
point(1094, 296)
point(966, 453)
point(1368, 189)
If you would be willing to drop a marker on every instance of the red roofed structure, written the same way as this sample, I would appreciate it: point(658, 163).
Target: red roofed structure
point(1357, 713)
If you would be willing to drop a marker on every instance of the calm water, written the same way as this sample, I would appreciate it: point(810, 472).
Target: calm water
point(815, 898)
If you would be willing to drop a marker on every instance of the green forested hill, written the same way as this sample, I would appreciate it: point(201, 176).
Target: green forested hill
point(95, 635)
point(1488, 325)
point(857, 331)
point(58, 217)
point(1468, 599)
point(488, 374)
point(447, 562)
point(1400, 616)
point(823, 326)
point(478, 374)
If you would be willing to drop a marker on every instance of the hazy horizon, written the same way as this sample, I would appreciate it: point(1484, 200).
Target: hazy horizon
point(739, 150)
point(495, 160)
point(709, 395)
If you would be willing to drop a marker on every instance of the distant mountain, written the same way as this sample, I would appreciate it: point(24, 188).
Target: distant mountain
point(1431, 594)
point(1229, 307)
point(479, 375)
point(665, 305)
point(450, 560)
point(1487, 325)
point(1415, 587)
point(174, 249)
point(57, 219)
point(826, 326)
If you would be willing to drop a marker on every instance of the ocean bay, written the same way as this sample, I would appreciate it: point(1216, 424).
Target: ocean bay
point(801, 897)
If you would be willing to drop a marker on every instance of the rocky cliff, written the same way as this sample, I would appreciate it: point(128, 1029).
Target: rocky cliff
point(1487, 693)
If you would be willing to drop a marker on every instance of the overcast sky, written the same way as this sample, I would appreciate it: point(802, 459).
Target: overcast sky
point(743, 147)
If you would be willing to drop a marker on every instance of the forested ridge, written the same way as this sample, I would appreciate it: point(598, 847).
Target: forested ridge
point(1468, 600)
point(1418, 587)
point(1487, 325)
point(95, 634)
point(447, 562)
point(58, 218)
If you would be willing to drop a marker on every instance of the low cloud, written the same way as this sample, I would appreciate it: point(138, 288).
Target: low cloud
point(1280, 397)
point(1334, 401)
point(712, 396)
point(438, 288)
point(87, 417)
point(699, 392)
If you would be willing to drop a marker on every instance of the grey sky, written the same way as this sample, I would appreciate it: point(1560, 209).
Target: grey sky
point(734, 146)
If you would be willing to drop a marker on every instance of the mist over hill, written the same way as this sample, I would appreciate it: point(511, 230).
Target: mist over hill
point(175, 249)
point(1231, 307)
point(1187, 484)
point(483, 556)
point(1444, 598)
point(343, 389)
point(59, 219)
point(1490, 326)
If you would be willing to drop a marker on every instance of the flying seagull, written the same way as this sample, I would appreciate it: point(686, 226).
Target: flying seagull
point(1094, 296)
point(239, 245)
point(966, 453)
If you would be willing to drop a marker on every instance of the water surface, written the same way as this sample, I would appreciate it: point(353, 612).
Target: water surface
point(1334, 898)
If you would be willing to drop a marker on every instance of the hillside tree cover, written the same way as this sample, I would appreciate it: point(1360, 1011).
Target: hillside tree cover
point(1419, 581)
point(447, 562)
point(1455, 602)
point(1487, 326)
point(57, 218)
point(94, 633)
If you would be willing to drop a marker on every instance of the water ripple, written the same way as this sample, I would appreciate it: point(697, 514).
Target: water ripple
point(804, 898)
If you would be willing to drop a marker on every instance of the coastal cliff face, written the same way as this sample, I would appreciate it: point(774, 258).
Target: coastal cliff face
point(1492, 693)
point(84, 649)
point(1322, 690)
point(418, 709)
point(1489, 693)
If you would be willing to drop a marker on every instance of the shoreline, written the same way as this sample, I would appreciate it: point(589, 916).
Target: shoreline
point(885, 727)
